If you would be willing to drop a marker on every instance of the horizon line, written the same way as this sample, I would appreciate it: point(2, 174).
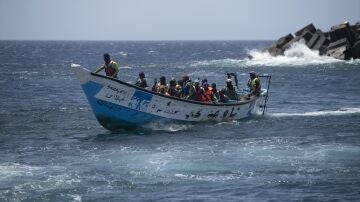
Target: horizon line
point(144, 40)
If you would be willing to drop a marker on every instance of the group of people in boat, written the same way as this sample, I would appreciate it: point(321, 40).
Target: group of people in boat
point(185, 88)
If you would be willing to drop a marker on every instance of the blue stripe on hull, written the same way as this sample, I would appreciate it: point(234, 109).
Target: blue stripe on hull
point(112, 116)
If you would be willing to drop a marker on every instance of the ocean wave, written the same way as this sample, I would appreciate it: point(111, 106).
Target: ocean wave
point(16, 169)
point(220, 63)
point(297, 54)
point(339, 112)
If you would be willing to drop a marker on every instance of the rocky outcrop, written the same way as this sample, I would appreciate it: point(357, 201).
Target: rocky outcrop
point(341, 42)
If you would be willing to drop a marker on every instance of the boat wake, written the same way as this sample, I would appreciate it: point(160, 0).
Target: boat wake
point(165, 126)
point(339, 112)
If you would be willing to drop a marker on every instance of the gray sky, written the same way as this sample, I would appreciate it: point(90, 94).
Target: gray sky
point(168, 19)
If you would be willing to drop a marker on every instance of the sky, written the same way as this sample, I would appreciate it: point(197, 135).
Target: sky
point(168, 19)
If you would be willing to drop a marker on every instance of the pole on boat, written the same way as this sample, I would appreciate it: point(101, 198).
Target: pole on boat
point(267, 91)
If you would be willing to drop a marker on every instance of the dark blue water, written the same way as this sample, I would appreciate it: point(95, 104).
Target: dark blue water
point(306, 147)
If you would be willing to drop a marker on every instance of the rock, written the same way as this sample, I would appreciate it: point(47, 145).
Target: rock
point(283, 40)
point(306, 35)
point(321, 45)
point(338, 53)
point(339, 49)
point(311, 43)
point(288, 44)
point(310, 27)
point(354, 51)
point(341, 42)
point(338, 43)
point(342, 31)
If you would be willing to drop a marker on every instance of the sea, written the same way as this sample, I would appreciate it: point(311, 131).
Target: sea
point(306, 147)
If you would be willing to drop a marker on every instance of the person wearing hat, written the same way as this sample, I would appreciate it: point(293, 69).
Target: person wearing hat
point(254, 84)
point(141, 81)
point(111, 67)
point(229, 90)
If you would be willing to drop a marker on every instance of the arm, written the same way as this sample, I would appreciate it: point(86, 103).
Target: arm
point(99, 69)
point(116, 68)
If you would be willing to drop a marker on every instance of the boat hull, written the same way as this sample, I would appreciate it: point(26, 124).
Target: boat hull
point(117, 104)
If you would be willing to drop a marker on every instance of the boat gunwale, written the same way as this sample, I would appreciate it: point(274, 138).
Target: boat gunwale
point(176, 98)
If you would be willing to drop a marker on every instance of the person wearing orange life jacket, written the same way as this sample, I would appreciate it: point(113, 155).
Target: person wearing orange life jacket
point(199, 94)
point(209, 93)
point(111, 67)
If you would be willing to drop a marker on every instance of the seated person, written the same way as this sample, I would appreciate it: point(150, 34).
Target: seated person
point(209, 92)
point(173, 88)
point(141, 81)
point(229, 90)
point(161, 84)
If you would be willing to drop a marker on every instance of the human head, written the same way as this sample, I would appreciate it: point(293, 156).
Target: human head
point(229, 83)
point(213, 86)
point(185, 78)
point(252, 74)
point(181, 82)
point(107, 58)
point(173, 82)
point(204, 81)
point(205, 85)
point(196, 83)
point(141, 75)
point(163, 80)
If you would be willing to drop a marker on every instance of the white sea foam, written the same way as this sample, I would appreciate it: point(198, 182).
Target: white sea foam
point(339, 112)
point(162, 126)
point(15, 169)
point(298, 54)
point(125, 67)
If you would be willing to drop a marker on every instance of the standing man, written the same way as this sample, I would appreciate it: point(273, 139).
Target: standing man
point(110, 66)
point(254, 84)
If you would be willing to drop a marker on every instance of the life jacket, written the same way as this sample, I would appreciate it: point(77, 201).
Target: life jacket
point(209, 94)
point(109, 70)
point(199, 95)
point(253, 83)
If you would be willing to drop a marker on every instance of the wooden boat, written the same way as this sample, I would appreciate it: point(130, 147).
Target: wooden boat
point(117, 104)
